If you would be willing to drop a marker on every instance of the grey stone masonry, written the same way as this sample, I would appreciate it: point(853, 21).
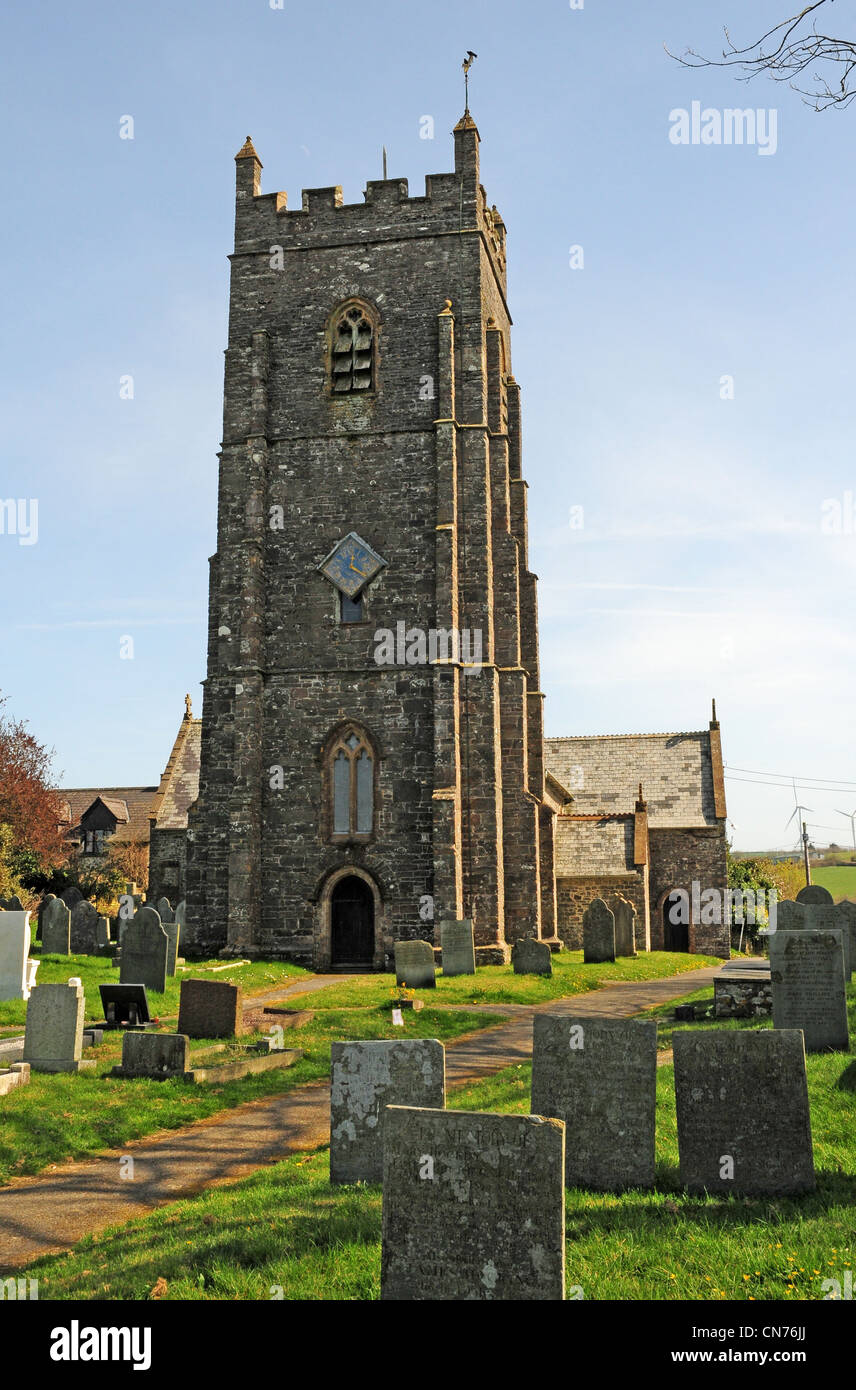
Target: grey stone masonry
point(365, 1078)
point(598, 933)
point(807, 971)
point(473, 1207)
point(600, 1077)
point(743, 1113)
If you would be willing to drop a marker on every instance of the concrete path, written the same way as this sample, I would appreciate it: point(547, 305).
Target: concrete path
point(52, 1211)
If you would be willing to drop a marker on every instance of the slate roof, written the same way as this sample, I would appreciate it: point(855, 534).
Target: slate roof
point(603, 773)
point(179, 786)
point(130, 805)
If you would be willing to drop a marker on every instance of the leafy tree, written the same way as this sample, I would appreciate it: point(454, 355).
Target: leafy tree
point(31, 839)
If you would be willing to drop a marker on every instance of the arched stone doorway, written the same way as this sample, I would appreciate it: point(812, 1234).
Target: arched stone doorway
point(352, 925)
point(676, 928)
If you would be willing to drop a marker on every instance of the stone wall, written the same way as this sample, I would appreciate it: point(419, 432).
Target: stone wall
point(678, 858)
point(167, 865)
point(574, 895)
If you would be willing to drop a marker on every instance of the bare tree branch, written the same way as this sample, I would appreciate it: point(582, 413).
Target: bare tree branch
point(786, 52)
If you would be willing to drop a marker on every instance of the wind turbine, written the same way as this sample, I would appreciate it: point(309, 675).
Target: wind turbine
point(851, 816)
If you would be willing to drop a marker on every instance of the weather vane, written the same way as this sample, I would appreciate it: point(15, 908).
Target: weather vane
point(466, 65)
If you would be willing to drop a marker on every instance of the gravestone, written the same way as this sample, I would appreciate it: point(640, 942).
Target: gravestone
point(84, 928)
point(172, 930)
point(365, 1078)
point(473, 1207)
point(598, 933)
point(53, 1040)
point(124, 1005)
point(459, 954)
point(158, 1056)
point(599, 1075)
point(531, 957)
point(12, 904)
point(48, 898)
point(820, 917)
point(144, 952)
point(56, 928)
point(102, 933)
point(625, 927)
point(15, 975)
point(807, 971)
point(414, 965)
point(743, 1116)
point(210, 1009)
point(71, 897)
point(165, 912)
point(815, 893)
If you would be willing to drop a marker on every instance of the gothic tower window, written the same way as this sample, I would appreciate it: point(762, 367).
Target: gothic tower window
point(352, 355)
point(350, 785)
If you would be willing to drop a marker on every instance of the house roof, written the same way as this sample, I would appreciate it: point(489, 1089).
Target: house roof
point(676, 772)
point(130, 805)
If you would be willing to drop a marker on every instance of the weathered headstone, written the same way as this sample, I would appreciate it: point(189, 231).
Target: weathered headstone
point(71, 897)
point(15, 974)
point(473, 1207)
point(210, 1009)
point(815, 893)
point(414, 964)
point(599, 1075)
point(164, 910)
point(531, 957)
point(53, 1040)
point(102, 933)
point(159, 1056)
point(365, 1078)
point(56, 928)
point(598, 933)
point(172, 930)
point(144, 952)
point(84, 928)
point(743, 1116)
point(807, 971)
point(48, 898)
point(12, 904)
point(459, 955)
point(625, 927)
point(810, 916)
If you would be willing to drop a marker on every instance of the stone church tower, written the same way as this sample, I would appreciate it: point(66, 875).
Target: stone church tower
point(372, 738)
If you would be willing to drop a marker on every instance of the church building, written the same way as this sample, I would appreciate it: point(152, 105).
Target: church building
point(372, 741)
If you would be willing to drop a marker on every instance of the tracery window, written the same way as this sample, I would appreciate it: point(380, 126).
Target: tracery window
point(351, 785)
point(353, 351)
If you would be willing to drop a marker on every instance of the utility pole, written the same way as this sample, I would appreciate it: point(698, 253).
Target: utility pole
point(806, 854)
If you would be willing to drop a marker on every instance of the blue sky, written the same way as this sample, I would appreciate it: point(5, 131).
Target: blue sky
point(700, 568)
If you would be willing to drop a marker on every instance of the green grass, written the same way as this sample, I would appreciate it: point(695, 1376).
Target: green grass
point(840, 879)
point(285, 1232)
point(256, 977)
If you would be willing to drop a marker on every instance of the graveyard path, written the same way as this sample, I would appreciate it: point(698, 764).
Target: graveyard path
point(49, 1213)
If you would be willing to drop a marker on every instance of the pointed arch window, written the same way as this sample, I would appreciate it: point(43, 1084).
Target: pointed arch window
point(351, 782)
point(352, 351)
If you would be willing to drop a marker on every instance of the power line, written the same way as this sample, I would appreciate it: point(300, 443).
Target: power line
point(786, 786)
point(789, 778)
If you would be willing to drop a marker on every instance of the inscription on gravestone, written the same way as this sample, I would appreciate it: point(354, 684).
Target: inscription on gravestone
point(84, 928)
point(365, 1078)
point(600, 1077)
point(531, 957)
point(414, 965)
point(743, 1118)
point(473, 1207)
point(53, 1040)
point(598, 933)
point(56, 928)
point(210, 1009)
point(817, 916)
point(625, 927)
point(807, 972)
point(144, 952)
point(459, 955)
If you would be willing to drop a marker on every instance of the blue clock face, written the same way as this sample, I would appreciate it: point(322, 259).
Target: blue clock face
point(351, 565)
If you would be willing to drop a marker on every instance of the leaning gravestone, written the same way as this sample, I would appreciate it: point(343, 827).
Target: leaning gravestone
point(365, 1078)
point(53, 1040)
point(84, 928)
point(144, 952)
point(815, 893)
point(625, 927)
point(164, 910)
point(809, 916)
point(56, 929)
point(210, 1009)
point(473, 1207)
point(599, 1075)
point(414, 965)
point(807, 972)
point(598, 933)
point(743, 1114)
point(14, 955)
point(459, 955)
point(531, 957)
